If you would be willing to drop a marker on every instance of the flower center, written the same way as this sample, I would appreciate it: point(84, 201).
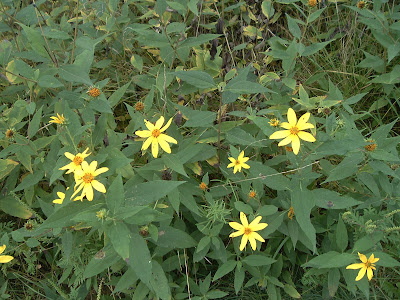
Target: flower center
point(247, 231)
point(237, 162)
point(294, 130)
point(87, 178)
point(156, 133)
point(368, 264)
point(77, 160)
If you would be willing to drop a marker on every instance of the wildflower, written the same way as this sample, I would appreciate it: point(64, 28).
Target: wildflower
point(4, 258)
point(238, 163)
point(312, 3)
point(10, 133)
point(291, 213)
point(58, 120)
point(61, 196)
point(366, 266)
point(361, 4)
point(248, 231)
point(252, 194)
point(155, 137)
point(294, 131)
point(139, 106)
point(85, 179)
point(203, 186)
point(370, 147)
point(274, 122)
point(94, 91)
point(76, 161)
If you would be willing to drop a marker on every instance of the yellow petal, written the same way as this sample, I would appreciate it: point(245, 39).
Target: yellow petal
point(236, 168)
point(243, 219)
point(281, 134)
point(143, 133)
point(355, 266)
point(58, 201)
point(168, 138)
point(88, 191)
point(231, 165)
point(362, 257)
point(236, 225)
point(361, 273)
point(291, 115)
point(374, 260)
point(303, 119)
point(305, 126)
point(257, 237)
point(5, 259)
point(98, 186)
point(154, 148)
point(100, 171)
point(295, 144)
point(286, 140)
point(159, 123)
point(370, 273)
point(243, 242)
point(69, 155)
point(259, 226)
point(241, 155)
point(232, 159)
point(255, 221)
point(305, 136)
point(246, 166)
point(166, 125)
point(85, 166)
point(93, 166)
point(2, 248)
point(286, 125)
point(147, 143)
point(164, 145)
point(149, 125)
point(236, 234)
point(244, 159)
point(253, 242)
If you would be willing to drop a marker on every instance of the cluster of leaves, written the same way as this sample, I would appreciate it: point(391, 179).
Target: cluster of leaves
point(223, 70)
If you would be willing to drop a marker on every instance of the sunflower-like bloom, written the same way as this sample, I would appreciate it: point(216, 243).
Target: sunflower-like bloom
point(76, 161)
point(366, 266)
point(155, 136)
point(4, 258)
point(248, 231)
point(58, 120)
point(238, 163)
point(294, 131)
point(274, 122)
point(85, 179)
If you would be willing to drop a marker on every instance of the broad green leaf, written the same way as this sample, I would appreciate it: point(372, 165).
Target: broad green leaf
point(199, 79)
point(199, 40)
point(102, 260)
point(258, 260)
point(173, 162)
point(170, 237)
point(291, 291)
point(385, 260)
point(36, 40)
point(314, 48)
point(267, 210)
point(137, 62)
point(12, 207)
point(30, 180)
point(243, 207)
point(333, 281)
point(224, 269)
point(159, 282)
point(347, 167)
point(115, 195)
point(120, 237)
point(293, 27)
point(246, 87)
point(197, 118)
point(48, 81)
point(140, 258)
point(267, 8)
point(331, 259)
point(73, 73)
point(116, 97)
point(6, 166)
point(239, 278)
point(204, 242)
point(149, 192)
point(35, 123)
point(341, 235)
point(126, 281)
point(331, 200)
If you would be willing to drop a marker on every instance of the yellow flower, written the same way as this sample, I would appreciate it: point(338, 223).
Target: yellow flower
point(155, 136)
point(294, 131)
point(274, 122)
point(85, 179)
point(366, 266)
point(61, 196)
point(58, 120)
point(94, 91)
point(238, 163)
point(203, 186)
point(76, 161)
point(248, 231)
point(4, 258)
point(361, 4)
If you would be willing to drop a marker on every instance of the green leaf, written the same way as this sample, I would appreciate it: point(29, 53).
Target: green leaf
point(238, 136)
point(48, 81)
point(199, 40)
point(12, 207)
point(199, 79)
point(291, 291)
point(6, 166)
point(30, 180)
point(140, 258)
point(347, 167)
point(197, 118)
point(117, 95)
point(341, 235)
point(120, 237)
point(303, 202)
point(239, 278)
point(385, 260)
point(246, 87)
point(267, 9)
point(331, 200)
point(258, 260)
point(149, 192)
point(170, 237)
point(35, 123)
point(314, 48)
point(126, 281)
point(102, 260)
point(267, 210)
point(331, 259)
point(215, 294)
point(333, 281)
point(36, 40)
point(224, 269)
point(204, 242)
point(115, 195)
point(243, 207)
point(159, 282)
point(293, 27)
point(73, 73)
point(173, 162)
point(137, 62)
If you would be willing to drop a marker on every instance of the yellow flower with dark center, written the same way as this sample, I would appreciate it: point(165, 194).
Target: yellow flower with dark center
point(85, 180)
point(291, 213)
point(4, 258)
point(139, 106)
point(248, 231)
point(366, 266)
point(76, 161)
point(361, 4)
point(155, 137)
point(203, 186)
point(10, 134)
point(274, 122)
point(238, 163)
point(94, 91)
point(58, 120)
point(294, 131)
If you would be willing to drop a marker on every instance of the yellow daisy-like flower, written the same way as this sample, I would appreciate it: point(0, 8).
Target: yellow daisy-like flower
point(58, 120)
point(85, 179)
point(294, 131)
point(238, 163)
point(274, 122)
point(4, 258)
point(248, 231)
point(76, 161)
point(155, 136)
point(366, 266)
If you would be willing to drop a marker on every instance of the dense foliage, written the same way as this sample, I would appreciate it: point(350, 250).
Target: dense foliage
point(199, 149)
